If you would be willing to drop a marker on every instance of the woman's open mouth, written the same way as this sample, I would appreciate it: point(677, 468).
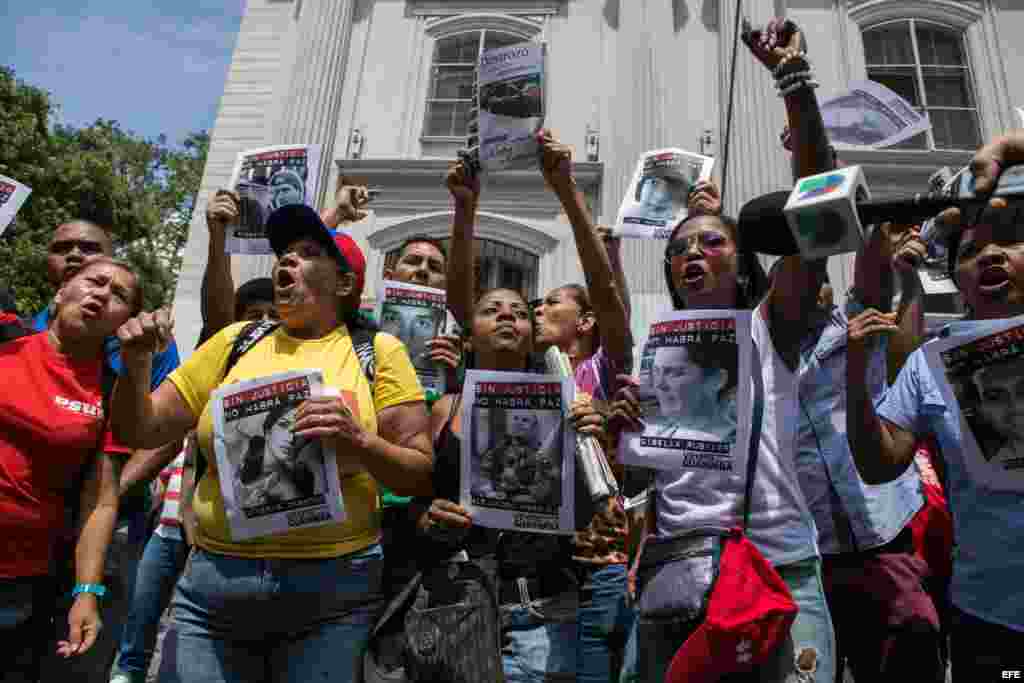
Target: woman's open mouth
point(694, 274)
point(91, 309)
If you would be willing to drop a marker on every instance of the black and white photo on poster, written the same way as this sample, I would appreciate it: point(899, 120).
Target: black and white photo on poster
point(694, 377)
point(415, 314)
point(982, 375)
point(518, 457)
point(656, 198)
point(511, 104)
point(12, 195)
point(271, 480)
point(267, 179)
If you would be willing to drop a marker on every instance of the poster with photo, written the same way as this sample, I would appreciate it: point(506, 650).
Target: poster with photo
point(272, 481)
point(510, 105)
point(267, 179)
point(691, 386)
point(656, 197)
point(518, 452)
point(415, 314)
point(982, 375)
point(12, 195)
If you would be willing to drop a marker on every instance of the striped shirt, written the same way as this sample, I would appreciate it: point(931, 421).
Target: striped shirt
point(170, 514)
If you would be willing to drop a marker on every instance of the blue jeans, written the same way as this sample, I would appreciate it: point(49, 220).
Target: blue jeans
point(806, 656)
point(161, 563)
point(241, 620)
point(605, 622)
point(539, 639)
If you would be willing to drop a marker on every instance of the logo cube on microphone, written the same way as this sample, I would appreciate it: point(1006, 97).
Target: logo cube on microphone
point(822, 212)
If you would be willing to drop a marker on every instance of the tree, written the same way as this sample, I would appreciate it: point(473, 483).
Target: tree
point(142, 191)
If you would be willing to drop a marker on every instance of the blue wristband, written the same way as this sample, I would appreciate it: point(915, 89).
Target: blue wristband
point(97, 589)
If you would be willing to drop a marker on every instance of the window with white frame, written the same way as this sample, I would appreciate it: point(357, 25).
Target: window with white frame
point(453, 77)
point(926, 64)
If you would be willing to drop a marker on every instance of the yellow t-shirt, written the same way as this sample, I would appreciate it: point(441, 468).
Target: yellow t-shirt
point(395, 383)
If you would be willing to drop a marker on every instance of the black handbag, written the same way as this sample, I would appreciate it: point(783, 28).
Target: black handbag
point(444, 627)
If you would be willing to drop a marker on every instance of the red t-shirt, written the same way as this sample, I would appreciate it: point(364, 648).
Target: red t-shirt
point(50, 419)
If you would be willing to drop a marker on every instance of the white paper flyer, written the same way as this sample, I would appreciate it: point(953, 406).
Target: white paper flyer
point(511, 104)
point(12, 195)
point(694, 376)
point(518, 452)
point(415, 314)
point(982, 375)
point(657, 195)
point(271, 481)
point(267, 179)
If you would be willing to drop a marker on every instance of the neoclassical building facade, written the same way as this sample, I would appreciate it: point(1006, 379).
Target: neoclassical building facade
point(384, 85)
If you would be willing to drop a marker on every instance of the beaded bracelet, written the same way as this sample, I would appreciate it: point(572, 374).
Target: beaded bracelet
point(789, 79)
point(777, 71)
point(807, 83)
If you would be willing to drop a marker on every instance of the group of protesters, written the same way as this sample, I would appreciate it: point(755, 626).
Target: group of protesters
point(111, 504)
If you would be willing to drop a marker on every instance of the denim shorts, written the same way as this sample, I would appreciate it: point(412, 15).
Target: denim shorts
point(236, 620)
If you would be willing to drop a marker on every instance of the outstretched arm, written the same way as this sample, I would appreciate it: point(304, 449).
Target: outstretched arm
point(607, 302)
point(465, 190)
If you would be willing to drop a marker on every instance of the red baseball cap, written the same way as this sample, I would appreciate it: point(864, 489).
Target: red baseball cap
point(750, 612)
point(295, 221)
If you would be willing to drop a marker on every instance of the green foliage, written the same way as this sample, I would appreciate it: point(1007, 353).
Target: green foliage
point(142, 191)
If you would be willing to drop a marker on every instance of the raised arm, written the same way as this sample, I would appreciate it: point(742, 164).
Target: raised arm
point(794, 292)
point(613, 247)
point(612, 319)
point(881, 450)
point(218, 287)
point(461, 287)
point(910, 252)
point(140, 418)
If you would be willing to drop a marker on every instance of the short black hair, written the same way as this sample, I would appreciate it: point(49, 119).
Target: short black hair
point(423, 239)
point(260, 289)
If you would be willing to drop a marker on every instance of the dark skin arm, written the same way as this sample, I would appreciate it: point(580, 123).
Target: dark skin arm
point(461, 287)
point(218, 284)
point(145, 465)
point(556, 163)
point(794, 293)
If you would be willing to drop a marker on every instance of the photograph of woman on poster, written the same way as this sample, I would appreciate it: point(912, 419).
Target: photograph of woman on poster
point(992, 399)
point(695, 388)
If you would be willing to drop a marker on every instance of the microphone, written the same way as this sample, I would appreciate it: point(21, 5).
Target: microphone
point(590, 456)
point(825, 214)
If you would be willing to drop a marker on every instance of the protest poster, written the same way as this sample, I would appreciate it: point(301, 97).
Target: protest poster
point(870, 115)
point(511, 105)
point(657, 195)
point(12, 195)
point(272, 481)
point(267, 179)
point(518, 452)
point(981, 375)
point(692, 373)
point(416, 314)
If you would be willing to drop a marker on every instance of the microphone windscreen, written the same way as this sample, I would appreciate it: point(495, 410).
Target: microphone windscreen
point(763, 227)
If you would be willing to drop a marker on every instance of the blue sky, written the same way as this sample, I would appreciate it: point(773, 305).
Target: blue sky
point(156, 66)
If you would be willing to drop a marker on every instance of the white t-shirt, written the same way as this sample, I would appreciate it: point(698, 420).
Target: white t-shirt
point(781, 525)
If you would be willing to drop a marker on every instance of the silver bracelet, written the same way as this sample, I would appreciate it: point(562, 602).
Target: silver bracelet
point(807, 83)
point(789, 79)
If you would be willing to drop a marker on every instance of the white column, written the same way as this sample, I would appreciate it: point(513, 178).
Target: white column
point(312, 97)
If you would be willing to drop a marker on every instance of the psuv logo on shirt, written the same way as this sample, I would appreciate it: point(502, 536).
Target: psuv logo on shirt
point(80, 407)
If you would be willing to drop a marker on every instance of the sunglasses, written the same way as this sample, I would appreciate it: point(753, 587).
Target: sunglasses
point(705, 240)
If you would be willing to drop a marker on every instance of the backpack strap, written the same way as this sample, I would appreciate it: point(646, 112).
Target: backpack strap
point(362, 343)
point(249, 337)
point(754, 447)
